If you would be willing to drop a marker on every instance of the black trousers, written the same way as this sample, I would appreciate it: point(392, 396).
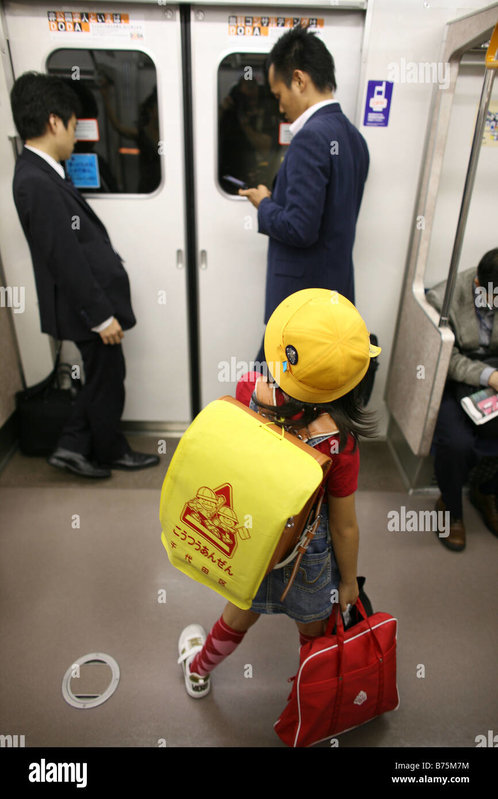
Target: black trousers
point(93, 429)
point(458, 446)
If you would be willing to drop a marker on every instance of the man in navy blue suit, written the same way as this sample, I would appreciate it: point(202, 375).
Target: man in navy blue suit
point(83, 289)
point(310, 216)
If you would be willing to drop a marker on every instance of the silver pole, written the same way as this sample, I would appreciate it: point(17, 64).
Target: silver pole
point(467, 194)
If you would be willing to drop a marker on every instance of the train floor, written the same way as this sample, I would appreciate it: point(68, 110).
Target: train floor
point(83, 570)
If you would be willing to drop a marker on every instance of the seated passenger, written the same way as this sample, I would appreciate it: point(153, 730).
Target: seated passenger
point(459, 444)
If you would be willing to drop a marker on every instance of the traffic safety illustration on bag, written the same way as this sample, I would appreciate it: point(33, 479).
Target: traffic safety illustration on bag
point(231, 507)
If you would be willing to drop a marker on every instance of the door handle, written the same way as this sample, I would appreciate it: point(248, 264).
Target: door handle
point(179, 259)
point(13, 140)
point(203, 259)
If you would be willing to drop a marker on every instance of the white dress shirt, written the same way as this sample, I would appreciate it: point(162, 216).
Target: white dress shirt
point(300, 121)
point(60, 170)
point(48, 158)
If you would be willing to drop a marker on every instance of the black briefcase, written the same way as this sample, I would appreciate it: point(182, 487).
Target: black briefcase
point(43, 409)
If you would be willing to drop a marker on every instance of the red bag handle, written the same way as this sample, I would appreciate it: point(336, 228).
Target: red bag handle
point(336, 615)
point(330, 626)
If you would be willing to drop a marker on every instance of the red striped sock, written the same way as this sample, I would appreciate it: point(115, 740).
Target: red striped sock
point(220, 643)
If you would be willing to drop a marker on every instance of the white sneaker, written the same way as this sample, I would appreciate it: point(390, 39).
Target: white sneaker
point(191, 641)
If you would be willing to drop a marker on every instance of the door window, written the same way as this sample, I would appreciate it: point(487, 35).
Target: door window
point(249, 123)
point(118, 147)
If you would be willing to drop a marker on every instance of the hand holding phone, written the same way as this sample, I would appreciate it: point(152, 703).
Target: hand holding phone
point(236, 182)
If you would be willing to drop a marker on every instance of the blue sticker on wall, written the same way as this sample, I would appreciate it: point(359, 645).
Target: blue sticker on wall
point(378, 103)
point(83, 169)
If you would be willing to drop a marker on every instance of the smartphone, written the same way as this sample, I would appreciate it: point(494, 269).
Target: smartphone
point(239, 183)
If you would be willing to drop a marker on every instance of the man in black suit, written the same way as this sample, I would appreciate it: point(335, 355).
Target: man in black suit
point(83, 289)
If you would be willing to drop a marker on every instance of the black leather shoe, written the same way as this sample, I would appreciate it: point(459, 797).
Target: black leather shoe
point(134, 460)
point(77, 464)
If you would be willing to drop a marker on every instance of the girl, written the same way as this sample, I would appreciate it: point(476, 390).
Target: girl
point(318, 351)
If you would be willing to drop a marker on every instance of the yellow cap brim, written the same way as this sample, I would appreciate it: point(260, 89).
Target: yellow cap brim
point(274, 350)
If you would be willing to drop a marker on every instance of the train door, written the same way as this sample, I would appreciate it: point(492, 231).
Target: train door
point(238, 133)
point(128, 161)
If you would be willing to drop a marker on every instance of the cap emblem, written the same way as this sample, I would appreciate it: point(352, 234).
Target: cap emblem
point(291, 353)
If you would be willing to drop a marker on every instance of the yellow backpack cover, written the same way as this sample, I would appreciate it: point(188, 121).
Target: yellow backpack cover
point(228, 493)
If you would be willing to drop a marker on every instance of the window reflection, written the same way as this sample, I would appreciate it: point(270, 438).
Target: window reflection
point(248, 123)
point(118, 88)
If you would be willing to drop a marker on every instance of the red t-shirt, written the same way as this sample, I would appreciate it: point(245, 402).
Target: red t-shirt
point(343, 475)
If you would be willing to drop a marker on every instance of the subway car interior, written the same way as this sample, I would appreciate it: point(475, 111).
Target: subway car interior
point(174, 99)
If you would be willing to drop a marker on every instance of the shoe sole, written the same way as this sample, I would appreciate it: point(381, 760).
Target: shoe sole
point(67, 467)
point(133, 468)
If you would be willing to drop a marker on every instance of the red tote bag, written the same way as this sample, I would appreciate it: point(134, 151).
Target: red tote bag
point(343, 680)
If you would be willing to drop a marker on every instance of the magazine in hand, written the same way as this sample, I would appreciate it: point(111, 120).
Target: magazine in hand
point(481, 406)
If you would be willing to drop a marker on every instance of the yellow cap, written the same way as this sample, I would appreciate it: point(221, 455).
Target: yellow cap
point(317, 346)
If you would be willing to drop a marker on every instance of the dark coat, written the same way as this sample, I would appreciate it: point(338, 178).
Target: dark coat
point(311, 215)
point(80, 279)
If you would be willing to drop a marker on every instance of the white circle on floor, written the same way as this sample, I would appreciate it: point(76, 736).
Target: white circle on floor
point(86, 702)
